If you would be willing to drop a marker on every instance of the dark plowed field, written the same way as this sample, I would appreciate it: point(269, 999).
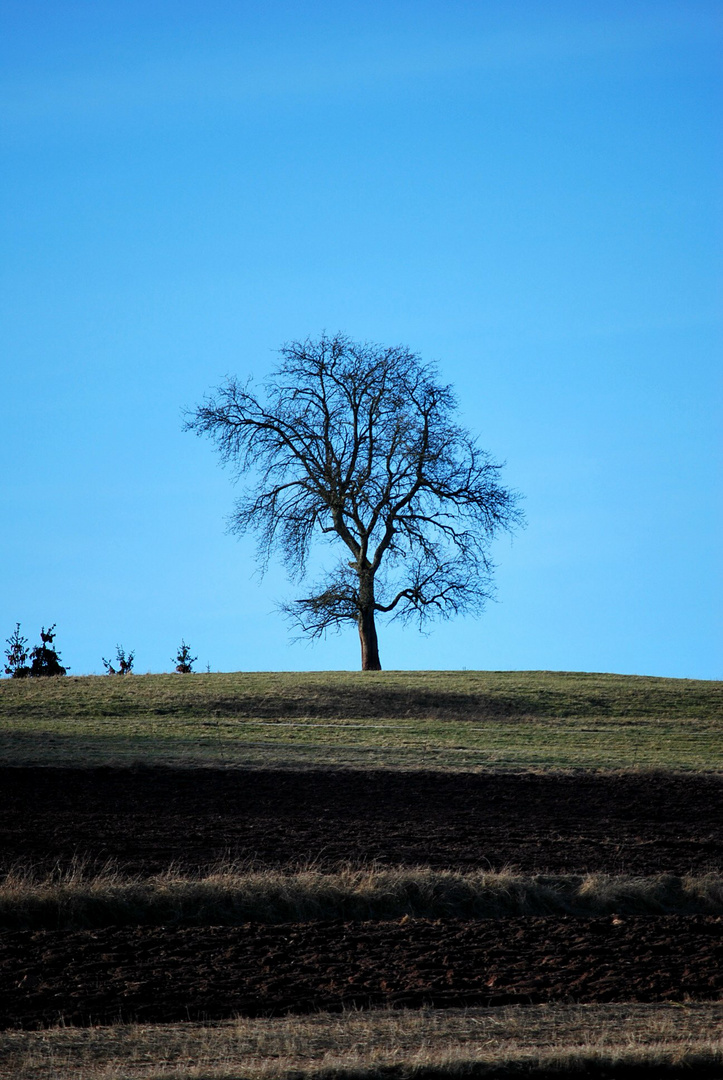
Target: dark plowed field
point(145, 819)
point(214, 972)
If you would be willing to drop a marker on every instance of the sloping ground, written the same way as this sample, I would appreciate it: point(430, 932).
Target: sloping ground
point(336, 695)
point(146, 819)
point(402, 720)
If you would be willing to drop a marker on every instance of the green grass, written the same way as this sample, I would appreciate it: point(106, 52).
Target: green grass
point(458, 720)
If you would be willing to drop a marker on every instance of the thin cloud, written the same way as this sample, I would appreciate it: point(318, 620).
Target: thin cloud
point(198, 82)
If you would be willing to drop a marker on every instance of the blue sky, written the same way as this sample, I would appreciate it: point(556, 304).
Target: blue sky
point(527, 194)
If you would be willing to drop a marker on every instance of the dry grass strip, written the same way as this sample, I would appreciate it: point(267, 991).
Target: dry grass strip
point(513, 1041)
point(79, 899)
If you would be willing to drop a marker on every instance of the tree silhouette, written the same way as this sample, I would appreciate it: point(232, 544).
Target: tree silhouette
point(359, 444)
point(44, 660)
point(124, 661)
point(183, 660)
point(16, 655)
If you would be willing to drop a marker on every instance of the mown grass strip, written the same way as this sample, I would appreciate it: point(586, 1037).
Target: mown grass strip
point(77, 900)
point(458, 720)
point(512, 1041)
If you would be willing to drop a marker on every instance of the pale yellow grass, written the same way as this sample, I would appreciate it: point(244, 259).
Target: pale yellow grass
point(77, 898)
point(376, 1043)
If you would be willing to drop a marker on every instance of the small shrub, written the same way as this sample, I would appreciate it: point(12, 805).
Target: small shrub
point(183, 659)
point(44, 659)
point(17, 655)
point(123, 660)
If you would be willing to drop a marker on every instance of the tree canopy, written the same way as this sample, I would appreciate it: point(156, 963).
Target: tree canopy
point(358, 443)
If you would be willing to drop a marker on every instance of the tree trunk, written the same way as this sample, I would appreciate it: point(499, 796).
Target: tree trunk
point(365, 621)
point(368, 638)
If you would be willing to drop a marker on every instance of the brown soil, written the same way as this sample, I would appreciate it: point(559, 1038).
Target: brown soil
point(147, 818)
point(213, 972)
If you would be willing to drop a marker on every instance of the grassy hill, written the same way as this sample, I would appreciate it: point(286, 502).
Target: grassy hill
point(459, 720)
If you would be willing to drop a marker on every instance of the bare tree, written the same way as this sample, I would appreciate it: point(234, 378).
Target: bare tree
point(358, 443)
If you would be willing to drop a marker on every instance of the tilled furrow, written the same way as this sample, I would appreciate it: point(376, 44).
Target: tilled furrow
point(147, 818)
point(165, 974)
